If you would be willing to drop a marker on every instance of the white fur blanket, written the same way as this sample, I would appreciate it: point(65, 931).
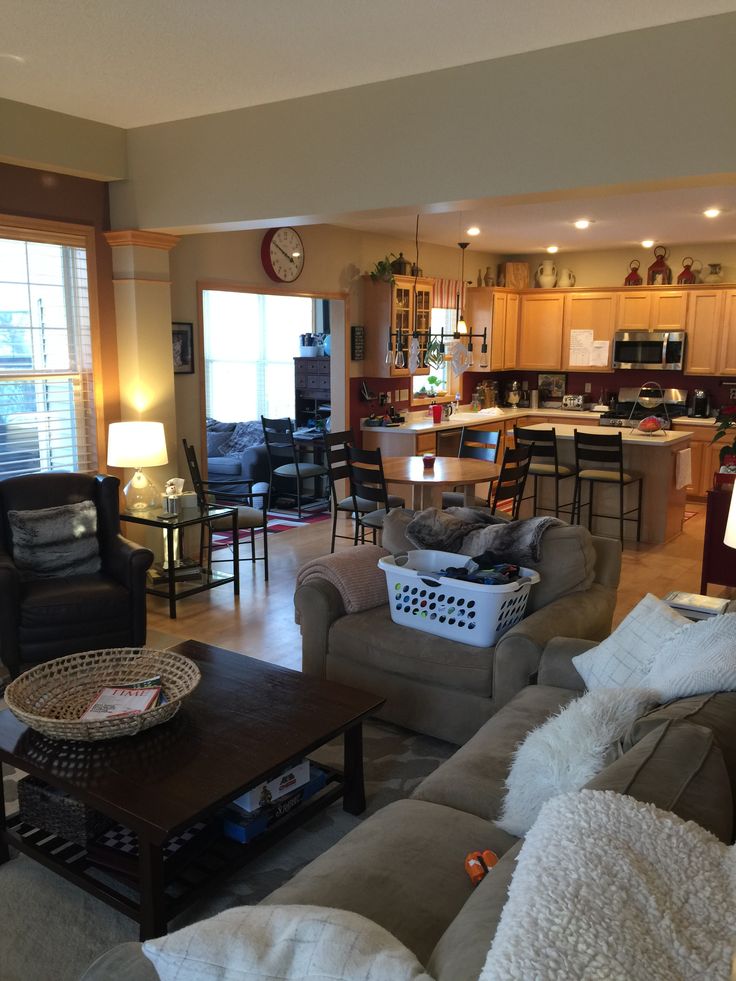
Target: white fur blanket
point(610, 889)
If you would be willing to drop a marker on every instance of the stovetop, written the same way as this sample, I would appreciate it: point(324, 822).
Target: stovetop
point(630, 414)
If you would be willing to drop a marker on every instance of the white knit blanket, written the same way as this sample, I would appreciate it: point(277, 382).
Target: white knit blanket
point(610, 889)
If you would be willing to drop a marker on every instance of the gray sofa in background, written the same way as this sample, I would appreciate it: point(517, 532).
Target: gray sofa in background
point(447, 689)
point(403, 867)
point(236, 451)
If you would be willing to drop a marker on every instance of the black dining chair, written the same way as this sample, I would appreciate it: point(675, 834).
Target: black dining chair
point(337, 465)
point(286, 467)
point(251, 517)
point(600, 461)
point(367, 486)
point(509, 488)
point(475, 444)
point(544, 463)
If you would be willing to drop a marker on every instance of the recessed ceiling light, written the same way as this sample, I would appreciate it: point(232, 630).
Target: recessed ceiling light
point(648, 243)
point(583, 223)
point(712, 212)
point(473, 230)
point(552, 248)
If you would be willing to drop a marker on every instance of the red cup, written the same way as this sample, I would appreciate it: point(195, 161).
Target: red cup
point(428, 461)
point(436, 413)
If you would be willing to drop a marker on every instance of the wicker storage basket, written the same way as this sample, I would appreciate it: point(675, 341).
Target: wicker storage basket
point(51, 697)
point(56, 811)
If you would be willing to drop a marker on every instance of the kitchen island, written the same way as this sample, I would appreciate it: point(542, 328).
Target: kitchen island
point(654, 457)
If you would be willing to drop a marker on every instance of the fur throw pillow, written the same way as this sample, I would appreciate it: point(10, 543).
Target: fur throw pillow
point(50, 543)
point(567, 750)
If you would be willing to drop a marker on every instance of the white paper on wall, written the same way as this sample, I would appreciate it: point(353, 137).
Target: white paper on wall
point(600, 354)
point(581, 347)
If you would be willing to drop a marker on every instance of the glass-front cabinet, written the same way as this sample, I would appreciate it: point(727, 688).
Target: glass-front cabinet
point(393, 313)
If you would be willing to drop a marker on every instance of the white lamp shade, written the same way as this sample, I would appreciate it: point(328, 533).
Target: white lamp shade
point(729, 537)
point(136, 444)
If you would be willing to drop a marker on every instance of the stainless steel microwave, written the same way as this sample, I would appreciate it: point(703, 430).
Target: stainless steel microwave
point(655, 350)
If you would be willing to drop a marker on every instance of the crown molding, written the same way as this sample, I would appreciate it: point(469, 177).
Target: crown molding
point(149, 240)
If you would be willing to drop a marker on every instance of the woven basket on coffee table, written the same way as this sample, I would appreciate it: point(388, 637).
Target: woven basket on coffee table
point(51, 697)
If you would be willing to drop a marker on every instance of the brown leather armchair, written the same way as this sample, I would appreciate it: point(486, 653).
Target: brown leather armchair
point(41, 619)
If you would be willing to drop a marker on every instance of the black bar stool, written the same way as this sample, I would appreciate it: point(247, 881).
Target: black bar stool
point(542, 444)
point(608, 452)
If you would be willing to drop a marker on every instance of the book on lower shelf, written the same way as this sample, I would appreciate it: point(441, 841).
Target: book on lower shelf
point(244, 827)
point(696, 606)
point(187, 570)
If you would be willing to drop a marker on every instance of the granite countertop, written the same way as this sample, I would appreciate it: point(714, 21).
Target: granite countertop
point(419, 422)
point(663, 438)
point(694, 423)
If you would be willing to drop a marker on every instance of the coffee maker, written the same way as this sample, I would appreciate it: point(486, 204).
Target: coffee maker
point(699, 404)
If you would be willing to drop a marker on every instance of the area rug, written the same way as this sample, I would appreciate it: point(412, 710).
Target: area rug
point(77, 928)
point(690, 514)
point(278, 521)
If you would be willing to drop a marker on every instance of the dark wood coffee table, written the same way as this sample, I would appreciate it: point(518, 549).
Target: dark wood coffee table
point(246, 722)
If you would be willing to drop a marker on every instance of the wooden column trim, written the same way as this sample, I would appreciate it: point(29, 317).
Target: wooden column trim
point(149, 240)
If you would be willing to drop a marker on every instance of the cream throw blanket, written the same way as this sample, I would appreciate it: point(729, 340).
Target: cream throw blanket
point(609, 889)
point(354, 573)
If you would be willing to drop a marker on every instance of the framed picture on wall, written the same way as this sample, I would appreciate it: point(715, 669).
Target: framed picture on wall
point(182, 341)
point(551, 387)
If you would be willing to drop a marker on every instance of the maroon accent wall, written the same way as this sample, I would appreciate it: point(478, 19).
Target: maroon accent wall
point(29, 193)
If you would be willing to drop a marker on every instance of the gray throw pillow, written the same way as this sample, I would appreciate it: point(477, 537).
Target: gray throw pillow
point(215, 442)
point(50, 543)
point(245, 435)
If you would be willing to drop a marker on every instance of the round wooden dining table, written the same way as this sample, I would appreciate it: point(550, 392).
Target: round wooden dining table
point(448, 473)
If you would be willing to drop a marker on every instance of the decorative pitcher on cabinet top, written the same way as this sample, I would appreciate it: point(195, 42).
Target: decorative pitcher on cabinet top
point(547, 274)
point(566, 278)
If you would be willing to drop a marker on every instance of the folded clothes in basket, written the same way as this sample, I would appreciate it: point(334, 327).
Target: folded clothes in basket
point(500, 574)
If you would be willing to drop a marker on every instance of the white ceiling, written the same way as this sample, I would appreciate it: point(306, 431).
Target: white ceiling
point(135, 62)
point(618, 220)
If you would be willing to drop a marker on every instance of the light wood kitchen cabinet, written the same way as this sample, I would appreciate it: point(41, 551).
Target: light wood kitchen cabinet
point(496, 311)
point(540, 331)
point(405, 306)
point(704, 326)
point(705, 457)
point(727, 345)
point(648, 309)
point(511, 332)
point(589, 311)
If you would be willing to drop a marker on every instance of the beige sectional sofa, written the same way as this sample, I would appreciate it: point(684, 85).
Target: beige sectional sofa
point(403, 867)
point(448, 689)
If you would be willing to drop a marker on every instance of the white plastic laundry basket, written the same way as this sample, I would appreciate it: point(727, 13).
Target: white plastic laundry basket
point(468, 612)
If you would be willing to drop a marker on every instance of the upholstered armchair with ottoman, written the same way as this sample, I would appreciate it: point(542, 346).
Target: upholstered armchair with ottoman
point(69, 581)
point(236, 451)
point(444, 688)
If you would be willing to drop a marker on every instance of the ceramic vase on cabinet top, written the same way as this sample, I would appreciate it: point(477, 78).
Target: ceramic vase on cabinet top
point(566, 278)
point(479, 280)
point(547, 274)
point(488, 278)
point(714, 275)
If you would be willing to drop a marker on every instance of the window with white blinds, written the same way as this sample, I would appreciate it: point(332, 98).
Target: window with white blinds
point(47, 410)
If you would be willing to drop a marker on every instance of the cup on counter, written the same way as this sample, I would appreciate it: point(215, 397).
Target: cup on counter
point(534, 399)
point(436, 413)
point(428, 461)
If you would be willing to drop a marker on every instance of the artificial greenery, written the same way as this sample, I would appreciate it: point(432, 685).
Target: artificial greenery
point(725, 421)
point(382, 270)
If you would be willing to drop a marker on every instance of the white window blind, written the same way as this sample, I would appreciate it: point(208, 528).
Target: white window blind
point(250, 342)
point(47, 411)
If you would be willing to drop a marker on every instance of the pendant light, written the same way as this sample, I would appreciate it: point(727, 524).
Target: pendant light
point(461, 327)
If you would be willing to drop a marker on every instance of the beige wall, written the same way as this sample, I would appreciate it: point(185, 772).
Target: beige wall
point(46, 140)
point(610, 267)
point(335, 259)
point(646, 106)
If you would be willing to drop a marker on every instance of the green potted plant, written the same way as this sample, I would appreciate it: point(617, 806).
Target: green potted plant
point(726, 421)
point(382, 271)
point(434, 383)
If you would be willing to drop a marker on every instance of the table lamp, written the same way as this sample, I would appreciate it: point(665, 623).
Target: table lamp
point(138, 445)
point(729, 537)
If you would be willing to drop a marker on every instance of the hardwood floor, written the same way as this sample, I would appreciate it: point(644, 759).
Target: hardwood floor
point(261, 621)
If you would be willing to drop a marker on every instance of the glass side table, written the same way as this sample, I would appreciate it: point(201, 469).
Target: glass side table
point(198, 578)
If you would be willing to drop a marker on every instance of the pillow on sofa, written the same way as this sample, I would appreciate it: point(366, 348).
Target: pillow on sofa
point(568, 750)
point(624, 658)
point(243, 436)
point(697, 659)
point(214, 426)
point(49, 543)
point(215, 441)
point(283, 942)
